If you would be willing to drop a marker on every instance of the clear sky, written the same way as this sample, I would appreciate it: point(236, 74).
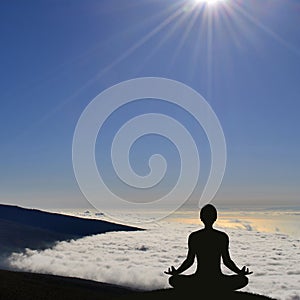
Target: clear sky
point(242, 56)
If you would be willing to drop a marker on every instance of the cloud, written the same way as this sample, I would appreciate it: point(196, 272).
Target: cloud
point(138, 259)
point(242, 224)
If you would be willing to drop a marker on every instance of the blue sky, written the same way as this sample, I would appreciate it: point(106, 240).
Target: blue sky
point(242, 56)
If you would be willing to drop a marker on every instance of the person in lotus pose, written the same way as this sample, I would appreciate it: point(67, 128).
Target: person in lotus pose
point(208, 245)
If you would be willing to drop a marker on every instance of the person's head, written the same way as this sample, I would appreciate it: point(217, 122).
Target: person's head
point(208, 214)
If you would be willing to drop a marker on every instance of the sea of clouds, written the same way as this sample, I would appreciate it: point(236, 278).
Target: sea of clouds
point(139, 259)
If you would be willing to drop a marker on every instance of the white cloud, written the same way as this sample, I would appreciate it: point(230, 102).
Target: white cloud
point(138, 259)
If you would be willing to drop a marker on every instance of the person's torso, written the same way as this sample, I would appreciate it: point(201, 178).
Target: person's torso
point(208, 246)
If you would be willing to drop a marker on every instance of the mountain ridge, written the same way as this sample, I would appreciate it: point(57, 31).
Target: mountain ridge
point(22, 228)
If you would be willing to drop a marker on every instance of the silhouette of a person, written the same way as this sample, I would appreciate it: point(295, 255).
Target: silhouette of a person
point(208, 245)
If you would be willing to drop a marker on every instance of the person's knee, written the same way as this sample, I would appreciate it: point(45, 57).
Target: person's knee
point(177, 281)
point(244, 281)
point(172, 281)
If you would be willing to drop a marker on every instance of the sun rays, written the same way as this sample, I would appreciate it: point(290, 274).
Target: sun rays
point(209, 2)
point(212, 25)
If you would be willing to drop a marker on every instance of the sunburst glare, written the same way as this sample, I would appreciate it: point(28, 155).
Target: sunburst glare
point(209, 2)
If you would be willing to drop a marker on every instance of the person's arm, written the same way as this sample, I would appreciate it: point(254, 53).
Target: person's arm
point(228, 262)
point(186, 263)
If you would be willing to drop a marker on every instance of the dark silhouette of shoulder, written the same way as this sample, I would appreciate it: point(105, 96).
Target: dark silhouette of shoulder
point(209, 235)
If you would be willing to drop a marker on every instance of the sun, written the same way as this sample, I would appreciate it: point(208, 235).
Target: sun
point(209, 2)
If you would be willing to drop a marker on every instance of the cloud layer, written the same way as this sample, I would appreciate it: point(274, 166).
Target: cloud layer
point(138, 259)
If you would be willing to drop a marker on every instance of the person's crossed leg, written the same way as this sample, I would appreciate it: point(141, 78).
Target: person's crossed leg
point(222, 283)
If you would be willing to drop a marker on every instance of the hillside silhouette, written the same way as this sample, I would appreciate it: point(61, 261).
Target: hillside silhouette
point(31, 286)
point(22, 228)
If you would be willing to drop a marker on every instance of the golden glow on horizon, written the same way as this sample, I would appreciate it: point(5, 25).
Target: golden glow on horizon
point(271, 222)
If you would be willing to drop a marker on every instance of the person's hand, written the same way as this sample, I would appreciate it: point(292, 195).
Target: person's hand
point(171, 271)
point(245, 271)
